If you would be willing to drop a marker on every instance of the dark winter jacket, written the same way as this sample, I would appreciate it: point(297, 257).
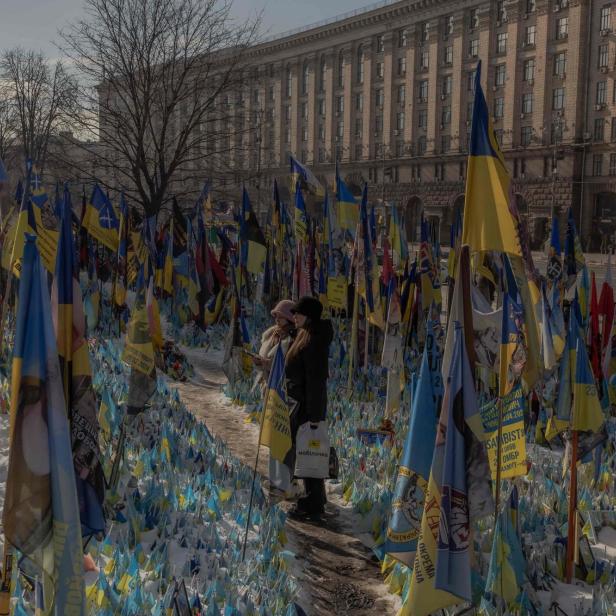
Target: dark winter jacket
point(306, 375)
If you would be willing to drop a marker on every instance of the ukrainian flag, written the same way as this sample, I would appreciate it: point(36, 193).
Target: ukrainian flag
point(25, 225)
point(100, 219)
point(276, 424)
point(41, 511)
point(254, 249)
point(300, 173)
point(586, 411)
point(488, 223)
point(301, 217)
point(348, 212)
point(510, 336)
point(45, 223)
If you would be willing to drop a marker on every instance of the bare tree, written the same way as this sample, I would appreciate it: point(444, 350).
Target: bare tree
point(8, 124)
point(158, 82)
point(38, 96)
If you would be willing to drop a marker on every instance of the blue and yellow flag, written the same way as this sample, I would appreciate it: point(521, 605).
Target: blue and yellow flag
point(254, 249)
point(276, 424)
point(414, 471)
point(300, 216)
point(488, 223)
point(41, 512)
point(121, 279)
point(100, 219)
point(586, 414)
point(45, 223)
point(70, 327)
point(347, 210)
point(302, 174)
point(510, 337)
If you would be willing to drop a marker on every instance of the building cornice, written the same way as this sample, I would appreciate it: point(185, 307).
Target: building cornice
point(380, 15)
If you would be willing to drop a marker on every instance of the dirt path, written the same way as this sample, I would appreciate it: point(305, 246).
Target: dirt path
point(337, 573)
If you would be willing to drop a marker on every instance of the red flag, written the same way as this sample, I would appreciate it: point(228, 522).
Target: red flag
point(606, 307)
point(388, 266)
point(595, 339)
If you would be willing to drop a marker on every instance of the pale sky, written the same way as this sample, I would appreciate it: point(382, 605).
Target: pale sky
point(35, 23)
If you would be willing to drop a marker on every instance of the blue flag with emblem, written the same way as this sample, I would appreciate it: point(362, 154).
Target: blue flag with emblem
point(100, 219)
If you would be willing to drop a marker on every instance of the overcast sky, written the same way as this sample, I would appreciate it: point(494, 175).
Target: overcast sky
point(35, 23)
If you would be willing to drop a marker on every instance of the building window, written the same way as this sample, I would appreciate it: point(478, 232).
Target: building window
point(560, 64)
point(601, 92)
point(304, 133)
point(529, 69)
point(526, 135)
point(448, 29)
point(473, 48)
point(501, 11)
point(380, 44)
point(360, 65)
point(470, 81)
point(530, 35)
point(598, 129)
point(556, 132)
point(321, 107)
point(380, 70)
point(378, 124)
point(289, 82)
point(358, 128)
point(322, 73)
point(378, 152)
point(448, 55)
point(359, 102)
point(446, 85)
point(379, 98)
point(402, 38)
point(287, 113)
point(287, 135)
point(558, 99)
point(272, 94)
point(603, 55)
point(612, 164)
point(473, 19)
point(439, 171)
point(499, 75)
point(499, 107)
point(399, 149)
point(340, 70)
point(424, 60)
point(400, 120)
point(501, 42)
point(613, 135)
point(562, 27)
point(359, 151)
point(304, 111)
point(305, 73)
point(499, 136)
point(469, 111)
point(401, 94)
point(606, 17)
point(321, 132)
point(527, 102)
point(597, 164)
point(446, 116)
point(422, 118)
point(423, 91)
point(321, 155)
point(339, 105)
point(531, 6)
point(401, 67)
point(340, 129)
point(445, 143)
point(424, 32)
point(421, 146)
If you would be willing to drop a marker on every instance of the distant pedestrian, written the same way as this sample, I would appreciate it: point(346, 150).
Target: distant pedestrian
point(307, 373)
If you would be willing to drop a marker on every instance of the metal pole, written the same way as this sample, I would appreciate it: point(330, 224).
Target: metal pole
point(572, 519)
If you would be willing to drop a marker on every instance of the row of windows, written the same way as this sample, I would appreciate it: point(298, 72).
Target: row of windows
point(597, 164)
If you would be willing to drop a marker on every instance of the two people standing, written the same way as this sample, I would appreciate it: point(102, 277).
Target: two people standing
point(306, 374)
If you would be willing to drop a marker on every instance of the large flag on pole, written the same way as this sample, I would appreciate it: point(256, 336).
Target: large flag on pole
point(488, 223)
point(302, 174)
point(70, 327)
point(254, 249)
point(41, 512)
point(346, 206)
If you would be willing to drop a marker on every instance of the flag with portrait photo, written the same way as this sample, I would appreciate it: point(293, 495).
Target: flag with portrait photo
point(488, 223)
point(100, 219)
point(70, 327)
point(41, 511)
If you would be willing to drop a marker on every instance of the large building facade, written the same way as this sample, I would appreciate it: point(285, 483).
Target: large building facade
point(388, 92)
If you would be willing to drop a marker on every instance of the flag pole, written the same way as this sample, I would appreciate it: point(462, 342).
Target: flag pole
point(572, 518)
point(499, 445)
point(354, 324)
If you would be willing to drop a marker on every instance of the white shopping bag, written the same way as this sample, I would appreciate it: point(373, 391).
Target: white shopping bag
point(312, 451)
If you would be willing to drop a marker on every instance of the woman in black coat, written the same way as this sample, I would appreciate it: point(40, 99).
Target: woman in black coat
point(306, 378)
